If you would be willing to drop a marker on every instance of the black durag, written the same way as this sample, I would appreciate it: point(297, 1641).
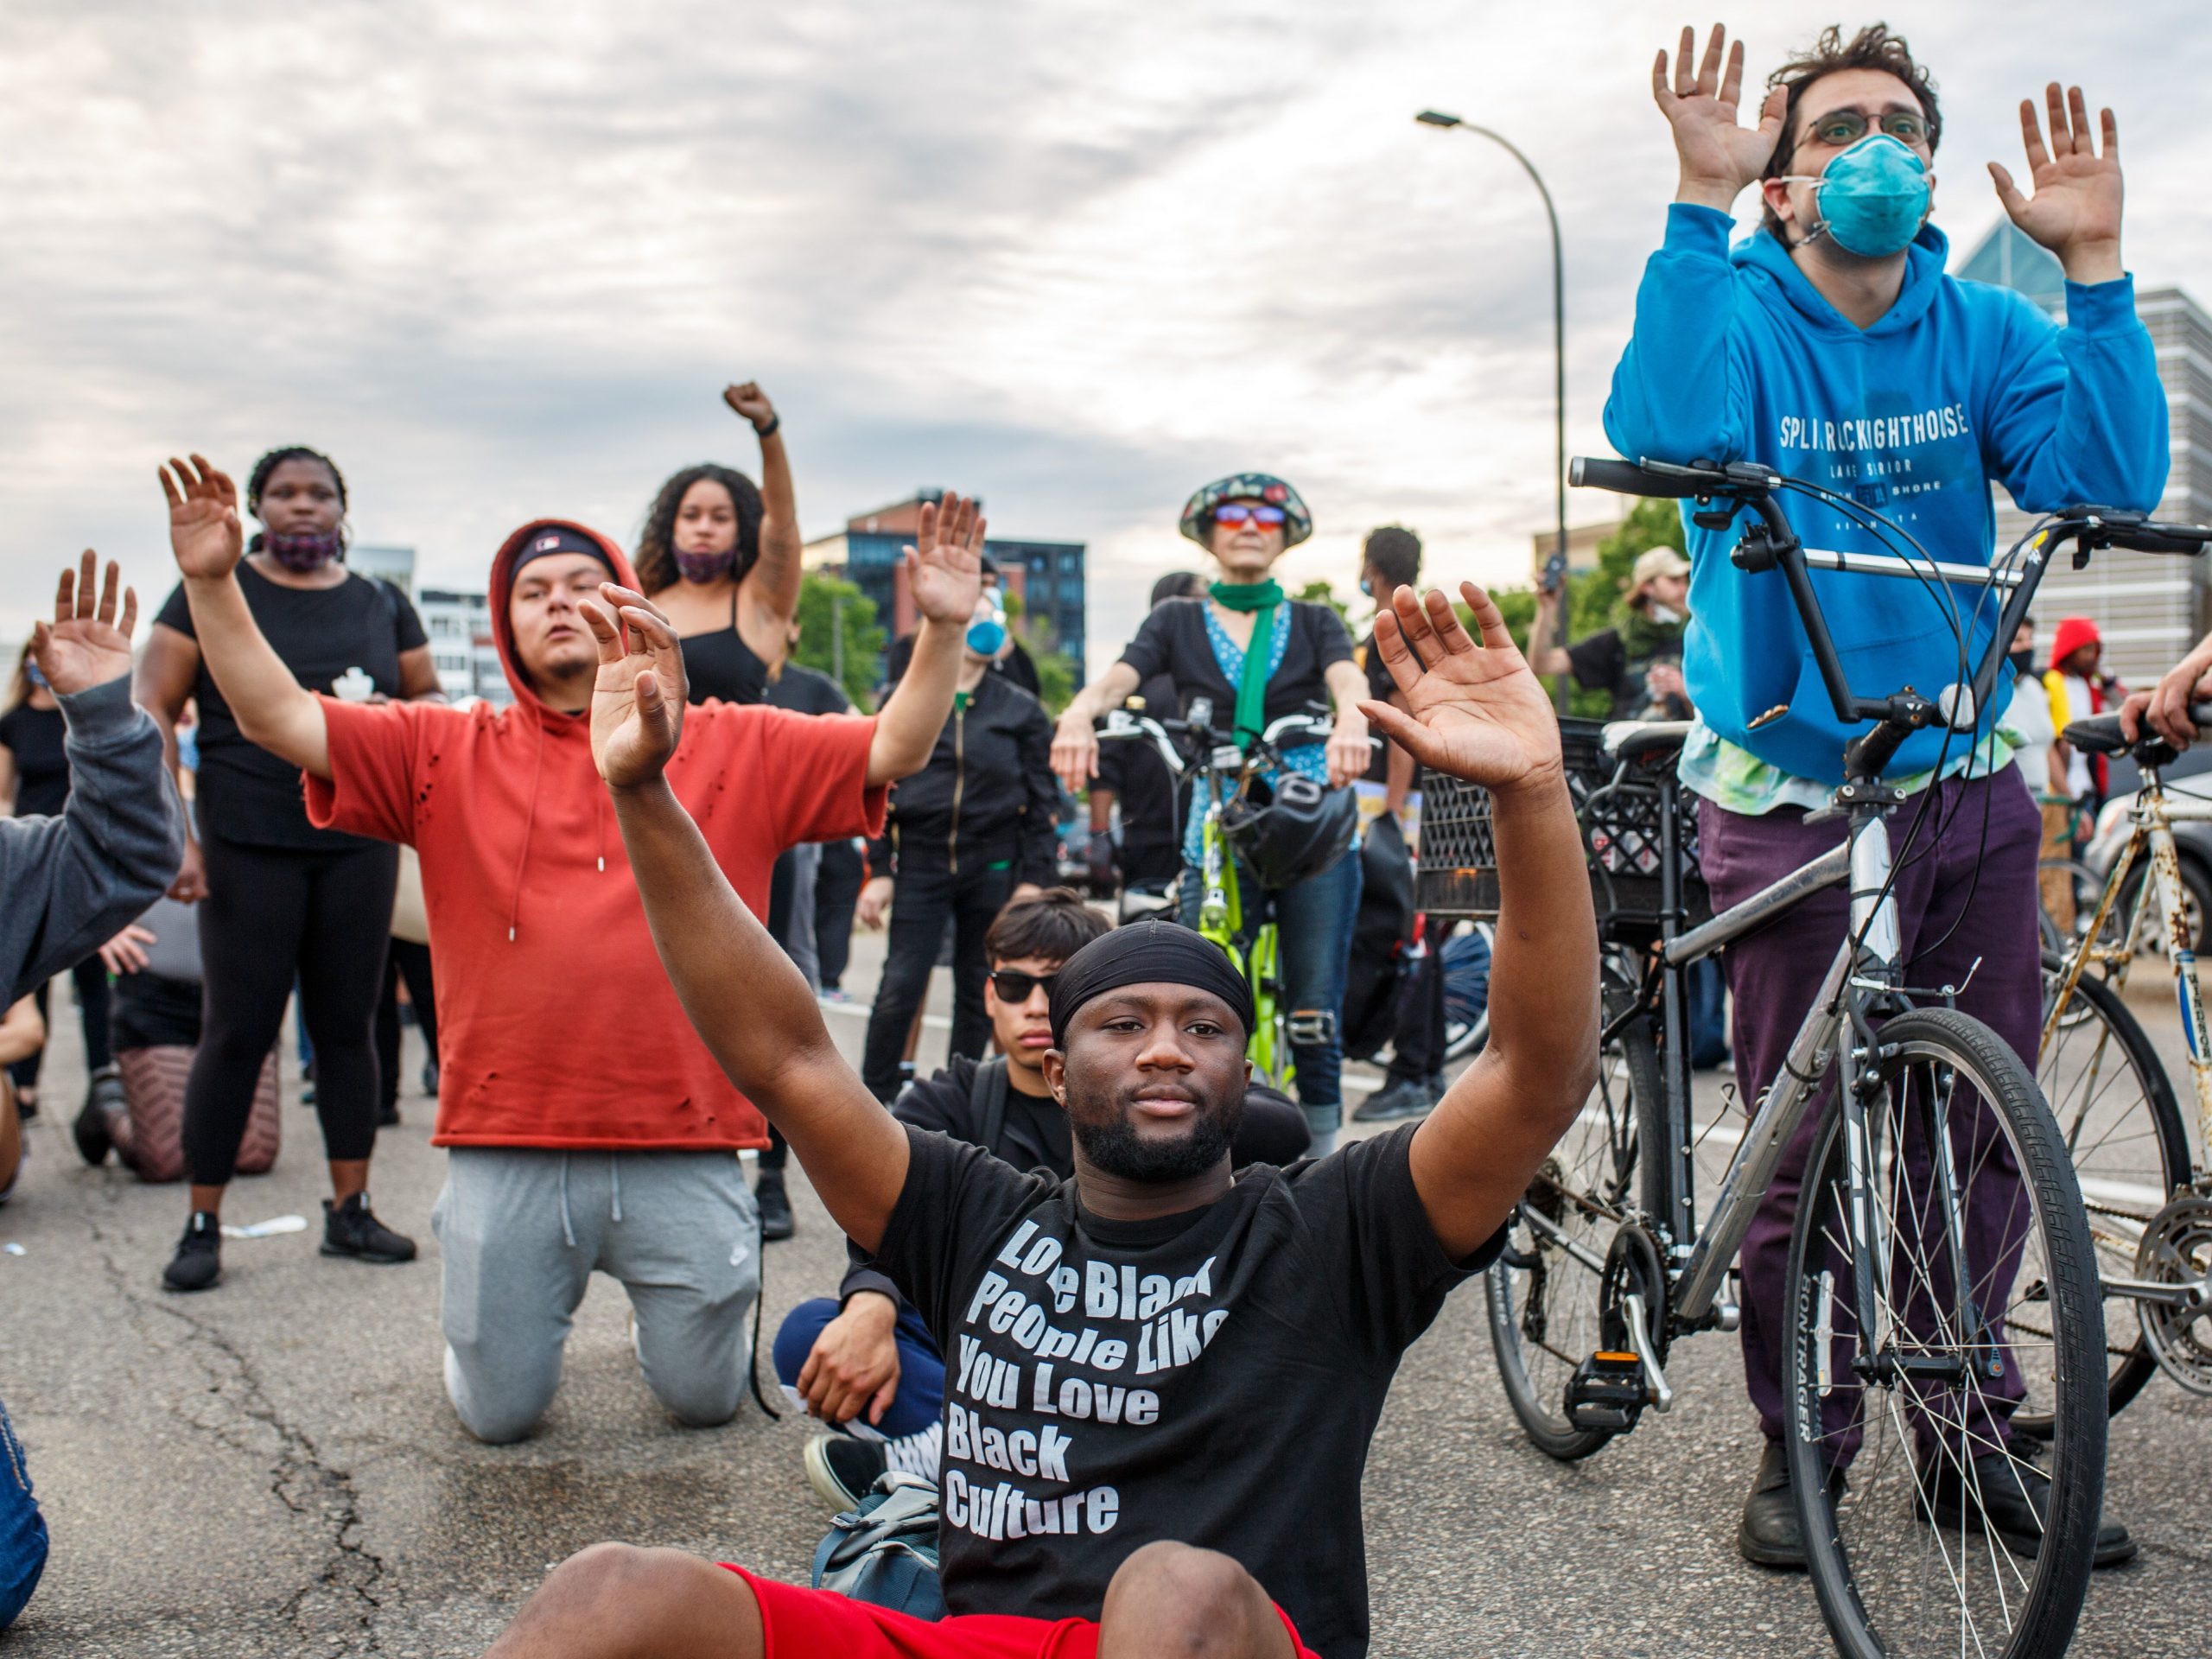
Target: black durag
point(1154, 951)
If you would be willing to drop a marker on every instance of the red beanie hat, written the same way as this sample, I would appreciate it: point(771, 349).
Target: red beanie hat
point(2074, 633)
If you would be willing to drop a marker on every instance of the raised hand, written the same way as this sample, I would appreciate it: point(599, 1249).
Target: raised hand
point(2076, 209)
point(84, 646)
point(749, 401)
point(1718, 156)
point(203, 530)
point(944, 567)
point(637, 702)
point(1477, 712)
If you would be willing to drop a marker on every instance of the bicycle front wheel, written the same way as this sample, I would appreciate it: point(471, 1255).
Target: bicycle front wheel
point(1543, 1291)
point(2116, 1113)
point(1927, 1527)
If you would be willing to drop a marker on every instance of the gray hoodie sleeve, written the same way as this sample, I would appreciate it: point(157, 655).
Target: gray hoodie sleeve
point(67, 884)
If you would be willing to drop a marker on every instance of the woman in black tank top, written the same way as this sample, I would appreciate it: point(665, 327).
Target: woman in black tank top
point(720, 556)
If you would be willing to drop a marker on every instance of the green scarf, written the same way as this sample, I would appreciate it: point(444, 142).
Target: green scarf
point(1264, 598)
point(1641, 638)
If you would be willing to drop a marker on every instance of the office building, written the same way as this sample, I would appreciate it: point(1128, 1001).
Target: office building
point(462, 650)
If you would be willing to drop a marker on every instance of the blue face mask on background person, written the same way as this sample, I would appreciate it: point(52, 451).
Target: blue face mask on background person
point(1872, 196)
point(987, 634)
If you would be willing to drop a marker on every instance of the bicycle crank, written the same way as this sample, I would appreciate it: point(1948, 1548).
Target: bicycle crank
point(1611, 1388)
point(2176, 1258)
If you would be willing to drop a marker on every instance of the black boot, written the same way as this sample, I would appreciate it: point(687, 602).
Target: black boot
point(1768, 1534)
point(197, 1263)
point(775, 1218)
point(104, 1102)
point(2008, 1498)
point(349, 1229)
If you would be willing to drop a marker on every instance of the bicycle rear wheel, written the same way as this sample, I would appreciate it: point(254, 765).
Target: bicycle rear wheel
point(2116, 1113)
point(1895, 1435)
point(1542, 1295)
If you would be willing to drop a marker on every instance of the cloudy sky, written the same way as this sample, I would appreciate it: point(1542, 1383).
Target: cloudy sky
point(498, 258)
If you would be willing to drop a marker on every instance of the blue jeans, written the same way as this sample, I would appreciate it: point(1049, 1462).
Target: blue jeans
point(920, 1397)
point(23, 1529)
point(1315, 921)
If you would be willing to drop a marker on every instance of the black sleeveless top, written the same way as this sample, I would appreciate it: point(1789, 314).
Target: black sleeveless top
point(721, 665)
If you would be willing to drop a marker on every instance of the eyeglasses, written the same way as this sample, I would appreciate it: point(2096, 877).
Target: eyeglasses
point(1235, 514)
point(1841, 127)
point(1014, 986)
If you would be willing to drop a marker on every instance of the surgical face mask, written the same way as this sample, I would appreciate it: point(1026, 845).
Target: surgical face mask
point(987, 634)
point(1665, 615)
point(1873, 197)
point(305, 551)
point(704, 566)
point(34, 673)
point(1367, 587)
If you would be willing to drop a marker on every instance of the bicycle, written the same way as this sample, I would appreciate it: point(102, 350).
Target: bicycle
point(1221, 773)
point(2149, 1201)
point(1897, 1347)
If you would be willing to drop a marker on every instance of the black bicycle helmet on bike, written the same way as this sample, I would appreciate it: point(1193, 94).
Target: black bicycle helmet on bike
point(1296, 828)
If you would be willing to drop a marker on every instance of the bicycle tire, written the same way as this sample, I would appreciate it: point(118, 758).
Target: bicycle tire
point(1873, 1536)
point(1541, 1301)
point(2129, 1149)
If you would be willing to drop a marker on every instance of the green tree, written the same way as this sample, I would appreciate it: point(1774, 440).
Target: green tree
point(823, 601)
point(1318, 592)
point(1056, 676)
point(1593, 595)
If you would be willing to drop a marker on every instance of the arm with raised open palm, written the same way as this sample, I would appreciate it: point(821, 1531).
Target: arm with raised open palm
point(1477, 711)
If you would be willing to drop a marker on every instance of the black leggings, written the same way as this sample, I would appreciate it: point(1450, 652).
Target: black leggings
point(410, 961)
point(272, 913)
point(91, 978)
point(922, 898)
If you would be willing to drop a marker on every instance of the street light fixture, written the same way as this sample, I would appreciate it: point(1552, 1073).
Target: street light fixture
point(1555, 567)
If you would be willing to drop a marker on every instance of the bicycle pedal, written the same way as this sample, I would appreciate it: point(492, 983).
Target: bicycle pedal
point(1607, 1392)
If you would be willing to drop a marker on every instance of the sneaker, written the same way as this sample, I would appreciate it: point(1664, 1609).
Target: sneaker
point(430, 1079)
point(775, 1218)
point(104, 1102)
point(350, 1228)
point(197, 1263)
point(843, 1471)
point(388, 1116)
point(2005, 1496)
point(26, 1104)
point(1400, 1098)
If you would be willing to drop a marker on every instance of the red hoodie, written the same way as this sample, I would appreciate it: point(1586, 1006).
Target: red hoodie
point(557, 1027)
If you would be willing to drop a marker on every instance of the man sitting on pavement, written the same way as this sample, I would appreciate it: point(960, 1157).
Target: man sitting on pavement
point(1164, 1376)
point(588, 1128)
point(863, 1360)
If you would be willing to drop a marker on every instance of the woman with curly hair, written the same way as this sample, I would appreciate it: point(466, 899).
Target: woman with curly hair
point(278, 898)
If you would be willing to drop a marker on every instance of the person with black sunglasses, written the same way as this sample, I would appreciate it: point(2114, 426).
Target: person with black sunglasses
point(863, 1361)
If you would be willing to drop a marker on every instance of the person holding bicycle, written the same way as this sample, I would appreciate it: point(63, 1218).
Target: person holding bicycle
point(1247, 647)
point(1831, 346)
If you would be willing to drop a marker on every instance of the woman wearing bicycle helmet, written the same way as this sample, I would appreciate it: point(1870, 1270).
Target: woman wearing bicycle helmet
point(1258, 656)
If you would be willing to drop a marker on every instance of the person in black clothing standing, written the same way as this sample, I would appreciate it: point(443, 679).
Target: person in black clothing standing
point(1152, 800)
point(863, 1360)
point(719, 555)
point(1413, 1082)
point(1012, 658)
point(280, 898)
point(1638, 661)
point(35, 783)
point(968, 832)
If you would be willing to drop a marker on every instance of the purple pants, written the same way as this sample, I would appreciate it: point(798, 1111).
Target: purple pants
point(1774, 974)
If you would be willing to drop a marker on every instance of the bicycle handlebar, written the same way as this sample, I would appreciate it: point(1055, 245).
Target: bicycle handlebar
point(2101, 734)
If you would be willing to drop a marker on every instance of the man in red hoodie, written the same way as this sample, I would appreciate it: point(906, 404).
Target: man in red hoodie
point(589, 1127)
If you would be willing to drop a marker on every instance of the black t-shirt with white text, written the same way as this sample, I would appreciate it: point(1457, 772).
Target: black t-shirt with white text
point(246, 794)
point(1212, 1377)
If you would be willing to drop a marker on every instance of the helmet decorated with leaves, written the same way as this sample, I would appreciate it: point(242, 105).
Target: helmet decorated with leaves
point(1264, 488)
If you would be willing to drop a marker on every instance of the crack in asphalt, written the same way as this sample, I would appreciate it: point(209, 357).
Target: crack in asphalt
point(307, 1487)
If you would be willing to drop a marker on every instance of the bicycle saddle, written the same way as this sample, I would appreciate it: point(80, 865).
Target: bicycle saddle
point(1632, 740)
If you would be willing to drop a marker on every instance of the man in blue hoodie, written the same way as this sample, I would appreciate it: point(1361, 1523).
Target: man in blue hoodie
point(1830, 345)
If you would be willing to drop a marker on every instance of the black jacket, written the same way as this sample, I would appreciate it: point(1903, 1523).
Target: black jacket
point(1016, 665)
point(986, 795)
point(1033, 1135)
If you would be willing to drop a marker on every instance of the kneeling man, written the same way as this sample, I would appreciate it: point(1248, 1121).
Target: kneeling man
point(1162, 1377)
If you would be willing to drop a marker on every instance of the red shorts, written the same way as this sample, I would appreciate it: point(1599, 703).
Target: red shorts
point(803, 1624)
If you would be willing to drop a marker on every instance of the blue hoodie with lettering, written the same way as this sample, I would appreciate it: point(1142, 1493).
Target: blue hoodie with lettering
point(1960, 384)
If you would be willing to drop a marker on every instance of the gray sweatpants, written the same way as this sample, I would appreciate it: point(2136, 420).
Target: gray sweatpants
point(521, 1231)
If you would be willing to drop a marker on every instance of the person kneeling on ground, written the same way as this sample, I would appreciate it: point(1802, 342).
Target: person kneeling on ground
point(589, 1130)
point(864, 1361)
point(1162, 1377)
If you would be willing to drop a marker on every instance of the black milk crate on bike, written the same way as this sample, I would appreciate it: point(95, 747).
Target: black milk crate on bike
point(1620, 832)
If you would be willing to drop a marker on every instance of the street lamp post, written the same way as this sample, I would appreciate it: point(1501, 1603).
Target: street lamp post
point(1555, 567)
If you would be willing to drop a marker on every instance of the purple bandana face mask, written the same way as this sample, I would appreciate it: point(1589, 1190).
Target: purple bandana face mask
point(704, 567)
point(303, 553)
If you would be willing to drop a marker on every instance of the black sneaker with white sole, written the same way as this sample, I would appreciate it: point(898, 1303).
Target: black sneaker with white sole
point(197, 1263)
point(775, 1205)
point(351, 1229)
point(843, 1471)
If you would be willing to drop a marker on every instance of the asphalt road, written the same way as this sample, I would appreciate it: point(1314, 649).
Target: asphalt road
point(272, 1468)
